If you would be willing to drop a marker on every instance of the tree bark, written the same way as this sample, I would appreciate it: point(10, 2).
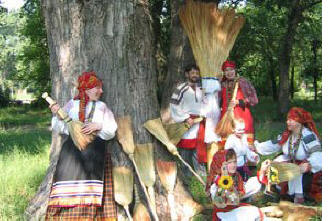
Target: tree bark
point(180, 55)
point(315, 72)
point(115, 39)
point(295, 16)
point(292, 81)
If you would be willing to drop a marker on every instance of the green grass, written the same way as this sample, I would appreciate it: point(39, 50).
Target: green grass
point(23, 164)
point(23, 115)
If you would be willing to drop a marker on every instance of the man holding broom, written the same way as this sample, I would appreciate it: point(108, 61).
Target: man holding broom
point(186, 104)
point(82, 184)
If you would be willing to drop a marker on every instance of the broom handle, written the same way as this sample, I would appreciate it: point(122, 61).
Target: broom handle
point(234, 94)
point(152, 206)
point(171, 204)
point(52, 102)
point(127, 213)
point(191, 169)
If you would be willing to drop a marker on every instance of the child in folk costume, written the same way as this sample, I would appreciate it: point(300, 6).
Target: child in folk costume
point(82, 183)
point(245, 98)
point(226, 188)
point(238, 141)
point(300, 144)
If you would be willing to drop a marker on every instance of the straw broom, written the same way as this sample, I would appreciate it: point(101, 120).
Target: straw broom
point(125, 138)
point(156, 128)
point(144, 159)
point(175, 131)
point(80, 139)
point(285, 171)
point(211, 32)
point(123, 187)
point(167, 172)
point(226, 124)
point(140, 212)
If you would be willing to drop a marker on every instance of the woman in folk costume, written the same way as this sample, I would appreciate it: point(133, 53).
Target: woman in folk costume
point(238, 141)
point(245, 98)
point(82, 183)
point(226, 188)
point(300, 144)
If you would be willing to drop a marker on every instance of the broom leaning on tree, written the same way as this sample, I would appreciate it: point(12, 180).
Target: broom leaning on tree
point(82, 184)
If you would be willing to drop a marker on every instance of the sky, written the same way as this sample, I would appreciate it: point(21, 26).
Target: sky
point(12, 4)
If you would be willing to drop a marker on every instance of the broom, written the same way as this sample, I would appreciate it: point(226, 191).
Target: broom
point(211, 32)
point(226, 124)
point(175, 131)
point(167, 172)
point(140, 212)
point(80, 139)
point(125, 138)
point(283, 172)
point(156, 128)
point(145, 163)
point(123, 187)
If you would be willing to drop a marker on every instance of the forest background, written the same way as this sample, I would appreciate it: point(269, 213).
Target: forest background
point(279, 50)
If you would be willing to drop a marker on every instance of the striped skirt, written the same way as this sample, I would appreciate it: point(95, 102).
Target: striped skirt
point(103, 210)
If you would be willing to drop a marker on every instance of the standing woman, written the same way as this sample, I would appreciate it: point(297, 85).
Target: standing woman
point(82, 183)
point(300, 144)
point(245, 98)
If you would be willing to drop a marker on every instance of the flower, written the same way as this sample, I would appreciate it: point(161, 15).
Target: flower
point(274, 175)
point(225, 182)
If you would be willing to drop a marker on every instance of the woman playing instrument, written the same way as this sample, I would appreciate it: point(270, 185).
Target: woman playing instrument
point(82, 183)
point(300, 144)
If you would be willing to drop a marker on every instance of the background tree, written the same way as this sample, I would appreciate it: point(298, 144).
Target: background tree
point(115, 39)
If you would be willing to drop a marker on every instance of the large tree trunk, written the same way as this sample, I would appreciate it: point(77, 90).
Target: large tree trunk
point(180, 55)
point(115, 39)
point(315, 72)
point(292, 81)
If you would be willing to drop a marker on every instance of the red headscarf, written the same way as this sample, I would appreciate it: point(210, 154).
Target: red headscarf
point(86, 81)
point(218, 159)
point(301, 116)
point(227, 64)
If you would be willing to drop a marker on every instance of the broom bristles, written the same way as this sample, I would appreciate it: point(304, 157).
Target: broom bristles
point(225, 126)
point(145, 162)
point(141, 213)
point(286, 171)
point(167, 172)
point(80, 139)
point(125, 134)
point(211, 33)
point(123, 185)
point(156, 128)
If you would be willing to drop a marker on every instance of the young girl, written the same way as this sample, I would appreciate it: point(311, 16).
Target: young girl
point(226, 187)
point(238, 141)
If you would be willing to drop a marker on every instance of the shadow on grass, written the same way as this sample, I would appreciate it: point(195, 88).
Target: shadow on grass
point(31, 141)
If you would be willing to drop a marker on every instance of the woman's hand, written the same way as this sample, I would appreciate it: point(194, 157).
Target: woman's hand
point(189, 121)
point(264, 166)
point(54, 108)
point(89, 128)
point(305, 167)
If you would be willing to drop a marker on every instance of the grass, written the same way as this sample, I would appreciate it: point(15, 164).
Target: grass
point(24, 152)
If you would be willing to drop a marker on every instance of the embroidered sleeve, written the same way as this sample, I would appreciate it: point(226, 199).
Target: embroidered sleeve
point(59, 125)
point(176, 109)
point(267, 147)
point(109, 125)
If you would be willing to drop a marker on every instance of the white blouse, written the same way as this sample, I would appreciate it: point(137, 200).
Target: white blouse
point(102, 115)
point(309, 149)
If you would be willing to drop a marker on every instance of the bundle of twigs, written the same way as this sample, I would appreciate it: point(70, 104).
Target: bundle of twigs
point(167, 172)
point(144, 159)
point(156, 128)
point(123, 187)
point(226, 125)
point(140, 212)
point(80, 139)
point(284, 171)
point(175, 131)
point(125, 138)
point(211, 32)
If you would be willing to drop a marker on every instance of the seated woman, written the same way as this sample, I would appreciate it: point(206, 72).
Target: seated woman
point(238, 141)
point(300, 144)
point(226, 188)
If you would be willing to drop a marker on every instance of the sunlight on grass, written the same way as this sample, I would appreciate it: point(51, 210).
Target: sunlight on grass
point(23, 164)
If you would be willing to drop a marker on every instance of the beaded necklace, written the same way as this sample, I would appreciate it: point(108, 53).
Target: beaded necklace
point(293, 147)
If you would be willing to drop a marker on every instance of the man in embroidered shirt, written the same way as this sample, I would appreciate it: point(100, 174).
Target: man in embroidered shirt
point(185, 105)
